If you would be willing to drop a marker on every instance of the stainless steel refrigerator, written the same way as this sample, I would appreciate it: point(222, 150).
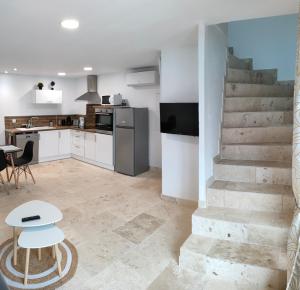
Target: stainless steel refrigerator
point(131, 140)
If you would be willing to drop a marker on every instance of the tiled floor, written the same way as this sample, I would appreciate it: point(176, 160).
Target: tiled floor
point(125, 234)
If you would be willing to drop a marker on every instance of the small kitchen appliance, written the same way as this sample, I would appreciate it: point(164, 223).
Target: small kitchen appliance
point(81, 122)
point(113, 100)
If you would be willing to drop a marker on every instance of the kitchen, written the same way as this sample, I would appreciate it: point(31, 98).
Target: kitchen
point(64, 138)
point(89, 138)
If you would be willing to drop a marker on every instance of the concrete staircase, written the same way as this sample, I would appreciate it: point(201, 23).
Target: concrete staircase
point(241, 236)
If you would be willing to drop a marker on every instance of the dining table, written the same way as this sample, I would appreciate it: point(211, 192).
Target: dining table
point(10, 151)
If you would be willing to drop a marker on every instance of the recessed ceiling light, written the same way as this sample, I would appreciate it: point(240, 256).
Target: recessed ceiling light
point(87, 68)
point(61, 74)
point(70, 23)
point(15, 69)
point(6, 72)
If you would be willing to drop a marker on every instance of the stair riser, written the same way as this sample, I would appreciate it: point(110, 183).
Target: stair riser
point(257, 104)
point(262, 277)
point(257, 135)
point(251, 77)
point(236, 63)
point(258, 90)
point(257, 152)
point(257, 119)
point(252, 174)
point(250, 200)
point(238, 232)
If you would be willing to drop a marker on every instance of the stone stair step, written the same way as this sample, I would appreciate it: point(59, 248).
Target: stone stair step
point(257, 104)
point(267, 76)
point(244, 226)
point(259, 90)
point(268, 172)
point(262, 152)
point(176, 278)
point(263, 265)
point(257, 119)
point(251, 196)
point(235, 62)
point(279, 134)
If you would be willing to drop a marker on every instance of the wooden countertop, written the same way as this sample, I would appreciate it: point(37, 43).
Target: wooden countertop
point(16, 131)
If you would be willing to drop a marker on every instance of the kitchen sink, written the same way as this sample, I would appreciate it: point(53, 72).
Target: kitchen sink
point(35, 128)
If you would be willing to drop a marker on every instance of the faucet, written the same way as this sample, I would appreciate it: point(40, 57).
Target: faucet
point(30, 122)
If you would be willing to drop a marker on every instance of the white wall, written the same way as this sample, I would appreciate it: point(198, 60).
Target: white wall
point(16, 98)
point(179, 83)
point(137, 97)
point(271, 42)
point(213, 55)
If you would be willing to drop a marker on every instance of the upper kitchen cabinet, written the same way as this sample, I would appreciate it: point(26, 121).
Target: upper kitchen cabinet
point(144, 78)
point(47, 97)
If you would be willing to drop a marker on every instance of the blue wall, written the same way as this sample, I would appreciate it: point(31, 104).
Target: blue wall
point(271, 42)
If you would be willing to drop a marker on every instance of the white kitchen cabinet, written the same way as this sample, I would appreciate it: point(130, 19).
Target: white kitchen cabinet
point(54, 145)
point(47, 97)
point(90, 146)
point(64, 142)
point(93, 148)
point(48, 145)
point(104, 149)
point(77, 147)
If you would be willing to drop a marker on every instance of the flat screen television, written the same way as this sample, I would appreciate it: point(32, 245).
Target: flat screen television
point(179, 118)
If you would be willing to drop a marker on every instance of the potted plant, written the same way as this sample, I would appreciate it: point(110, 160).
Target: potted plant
point(52, 84)
point(40, 85)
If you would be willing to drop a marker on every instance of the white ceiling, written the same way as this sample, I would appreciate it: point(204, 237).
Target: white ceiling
point(113, 34)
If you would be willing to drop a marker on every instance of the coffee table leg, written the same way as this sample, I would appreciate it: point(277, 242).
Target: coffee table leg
point(26, 266)
point(58, 259)
point(40, 254)
point(53, 252)
point(15, 236)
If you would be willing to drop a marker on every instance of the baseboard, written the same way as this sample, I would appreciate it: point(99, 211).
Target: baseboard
point(185, 202)
point(47, 159)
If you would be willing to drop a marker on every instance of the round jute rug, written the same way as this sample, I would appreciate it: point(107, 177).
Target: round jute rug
point(42, 274)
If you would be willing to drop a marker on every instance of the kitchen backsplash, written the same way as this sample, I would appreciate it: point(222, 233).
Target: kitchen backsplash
point(41, 120)
point(44, 120)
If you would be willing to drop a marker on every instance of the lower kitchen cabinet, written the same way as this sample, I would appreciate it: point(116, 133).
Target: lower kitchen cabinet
point(98, 150)
point(48, 145)
point(104, 149)
point(64, 142)
point(77, 144)
point(89, 147)
point(54, 145)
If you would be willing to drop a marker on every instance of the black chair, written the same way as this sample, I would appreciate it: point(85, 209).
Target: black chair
point(3, 165)
point(22, 163)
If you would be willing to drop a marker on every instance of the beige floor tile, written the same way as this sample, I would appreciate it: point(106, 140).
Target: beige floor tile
point(95, 202)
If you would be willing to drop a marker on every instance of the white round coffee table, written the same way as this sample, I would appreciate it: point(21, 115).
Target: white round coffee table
point(38, 238)
point(49, 214)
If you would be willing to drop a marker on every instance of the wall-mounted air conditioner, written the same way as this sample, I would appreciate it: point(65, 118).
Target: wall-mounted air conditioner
point(144, 78)
point(47, 97)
